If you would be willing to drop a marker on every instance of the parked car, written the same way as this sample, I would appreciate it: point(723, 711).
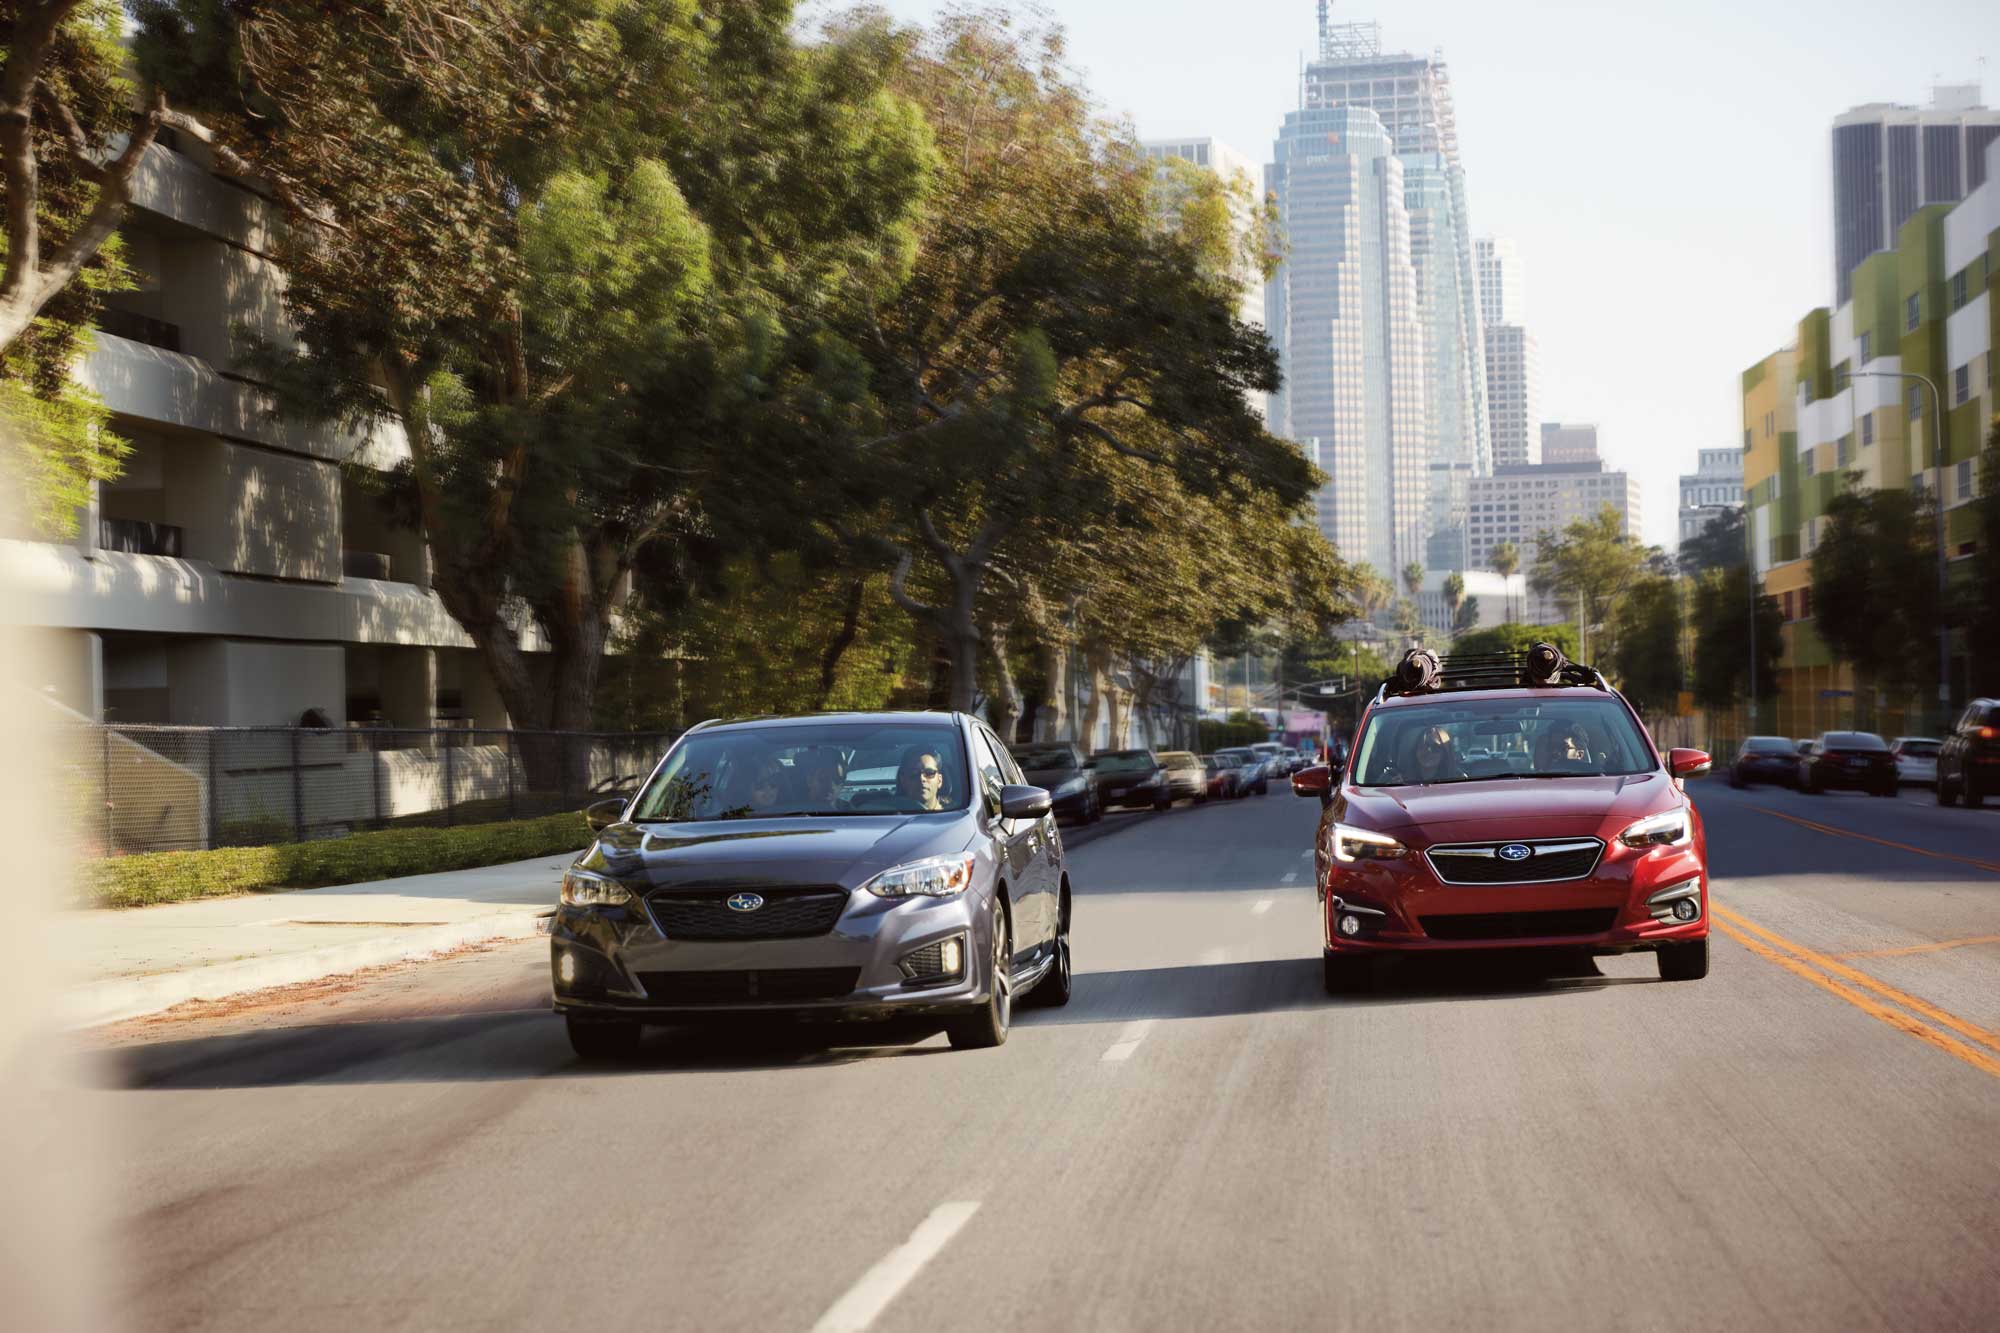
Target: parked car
point(1059, 768)
point(1765, 759)
point(1916, 759)
point(1254, 777)
point(1857, 760)
point(1806, 747)
point(1968, 762)
point(1186, 776)
point(1222, 777)
point(1294, 761)
point(1273, 756)
point(1131, 777)
point(1420, 851)
point(845, 866)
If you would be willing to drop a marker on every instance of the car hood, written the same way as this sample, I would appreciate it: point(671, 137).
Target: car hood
point(774, 851)
point(1512, 808)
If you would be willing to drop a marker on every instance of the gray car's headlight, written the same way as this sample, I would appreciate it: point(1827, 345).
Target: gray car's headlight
point(933, 877)
point(584, 888)
point(1672, 829)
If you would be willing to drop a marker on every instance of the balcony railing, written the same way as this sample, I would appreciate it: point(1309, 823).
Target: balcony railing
point(137, 536)
point(140, 329)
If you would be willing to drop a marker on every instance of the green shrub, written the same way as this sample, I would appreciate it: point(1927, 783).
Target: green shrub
point(166, 877)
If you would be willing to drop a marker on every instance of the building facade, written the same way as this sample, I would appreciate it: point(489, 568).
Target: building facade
point(1494, 599)
point(1713, 489)
point(231, 575)
point(1567, 442)
point(1889, 161)
point(1513, 391)
point(1516, 504)
point(1503, 291)
point(1828, 411)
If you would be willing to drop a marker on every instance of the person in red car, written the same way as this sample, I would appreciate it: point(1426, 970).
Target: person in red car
point(1505, 802)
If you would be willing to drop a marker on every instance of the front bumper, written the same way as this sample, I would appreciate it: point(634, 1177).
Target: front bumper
point(1403, 907)
point(622, 966)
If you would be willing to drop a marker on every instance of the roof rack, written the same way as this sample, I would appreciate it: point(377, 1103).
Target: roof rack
point(1543, 666)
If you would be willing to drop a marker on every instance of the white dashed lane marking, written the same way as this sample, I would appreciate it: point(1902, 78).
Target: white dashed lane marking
point(868, 1298)
point(1290, 877)
point(1128, 1041)
point(1263, 906)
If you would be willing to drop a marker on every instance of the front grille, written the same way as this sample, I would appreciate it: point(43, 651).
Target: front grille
point(786, 914)
point(1520, 925)
point(1481, 863)
point(771, 985)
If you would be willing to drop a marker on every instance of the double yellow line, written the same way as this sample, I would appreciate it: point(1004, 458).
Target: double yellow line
point(1980, 1048)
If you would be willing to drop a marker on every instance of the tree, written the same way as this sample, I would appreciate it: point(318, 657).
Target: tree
point(1720, 618)
point(1515, 638)
point(577, 262)
point(1720, 544)
point(1454, 597)
point(1981, 615)
point(1466, 617)
point(1413, 579)
point(1646, 658)
point(1506, 562)
point(1373, 593)
point(1874, 589)
point(1589, 566)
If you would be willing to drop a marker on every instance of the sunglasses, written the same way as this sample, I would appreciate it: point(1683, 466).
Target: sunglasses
point(930, 772)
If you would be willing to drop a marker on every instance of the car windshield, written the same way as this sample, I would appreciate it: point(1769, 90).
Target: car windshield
point(1769, 745)
point(1044, 756)
point(1123, 761)
point(808, 769)
point(1177, 759)
point(1523, 738)
point(1854, 740)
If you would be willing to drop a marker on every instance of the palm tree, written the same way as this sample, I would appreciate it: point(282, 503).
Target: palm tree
point(1413, 578)
point(1372, 593)
point(1506, 560)
point(1454, 595)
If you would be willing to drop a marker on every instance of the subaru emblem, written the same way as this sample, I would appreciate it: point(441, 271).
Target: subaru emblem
point(745, 902)
point(1516, 851)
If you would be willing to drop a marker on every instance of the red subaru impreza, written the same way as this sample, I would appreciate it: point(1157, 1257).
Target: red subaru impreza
point(1504, 802)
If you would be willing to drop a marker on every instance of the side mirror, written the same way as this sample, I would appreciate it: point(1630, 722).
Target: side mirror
point(1024, 802)
point(1314, 781)
point(1688, 763)
point(604, 814)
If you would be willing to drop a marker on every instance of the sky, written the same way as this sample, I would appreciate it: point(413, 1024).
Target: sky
point(1663, 169)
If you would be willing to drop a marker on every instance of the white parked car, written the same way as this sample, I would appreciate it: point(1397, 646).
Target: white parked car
point(1916, 759)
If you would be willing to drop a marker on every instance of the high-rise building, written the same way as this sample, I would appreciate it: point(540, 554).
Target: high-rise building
point(1891, 160)
point(1567, 442)
point(1406, 100)
point(1513, 389)
point(1343, 314)
point(1502, 282)
point(1713, 489)
point(1238, 169)
point(1516, 504)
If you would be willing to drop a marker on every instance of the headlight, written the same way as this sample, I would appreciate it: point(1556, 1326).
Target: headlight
point(1360, 844)
point(583, 888)
point(1672, 829)
point(937, 877)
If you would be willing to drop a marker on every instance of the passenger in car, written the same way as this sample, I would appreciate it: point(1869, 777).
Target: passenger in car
point(1433, 757)
point(824, 772)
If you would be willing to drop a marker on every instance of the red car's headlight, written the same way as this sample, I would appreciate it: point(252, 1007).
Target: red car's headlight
point(1359, 844)
point(1672, 829)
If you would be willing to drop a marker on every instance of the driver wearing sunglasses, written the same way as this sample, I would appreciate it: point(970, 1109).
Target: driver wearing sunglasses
point(921, 779)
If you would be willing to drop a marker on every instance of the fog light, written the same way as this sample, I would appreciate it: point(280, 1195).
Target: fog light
point(1350, 924)
point(951, 956)
point(1687, 909)
point(566, 969)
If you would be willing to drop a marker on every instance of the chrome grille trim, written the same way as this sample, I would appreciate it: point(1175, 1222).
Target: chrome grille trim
point(1544, 847)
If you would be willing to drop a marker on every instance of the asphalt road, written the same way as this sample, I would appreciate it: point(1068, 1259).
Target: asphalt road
point(1810, 1138)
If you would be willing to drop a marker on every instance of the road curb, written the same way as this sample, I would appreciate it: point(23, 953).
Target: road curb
point(134, 997)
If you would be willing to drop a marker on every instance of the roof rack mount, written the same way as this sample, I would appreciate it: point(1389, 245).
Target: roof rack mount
point(1543, 666)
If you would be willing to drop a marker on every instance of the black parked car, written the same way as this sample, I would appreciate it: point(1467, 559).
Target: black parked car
point(1968, 763)
point(1131, 777)
point(1765, 759)
point(1059, 768)
point(1854, 759)
point(855, 865)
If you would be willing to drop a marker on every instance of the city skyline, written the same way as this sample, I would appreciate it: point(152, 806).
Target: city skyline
point(1720, 270)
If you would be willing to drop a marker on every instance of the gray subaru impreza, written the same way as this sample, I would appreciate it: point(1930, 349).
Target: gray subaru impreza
point(848, 866)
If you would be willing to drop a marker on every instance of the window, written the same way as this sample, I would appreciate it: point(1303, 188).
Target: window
point(1916, 483)
point(1866, 355)
point(1965, 480)
point(1912, 313)
point(1958, 292)
point(1961, 384)
point(1845, 450)
point(1770, 424)
point(1809, 459)
point(1915, 397)
point(1746, 439)
point(1868, 429)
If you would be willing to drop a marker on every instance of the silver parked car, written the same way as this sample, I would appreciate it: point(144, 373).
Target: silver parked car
point(846, 866)
point(1916, 759)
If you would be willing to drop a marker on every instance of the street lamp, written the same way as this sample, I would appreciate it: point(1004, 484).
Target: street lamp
point(1937, 501)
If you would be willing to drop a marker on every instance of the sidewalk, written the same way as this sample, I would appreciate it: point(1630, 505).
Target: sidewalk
point(142, 960)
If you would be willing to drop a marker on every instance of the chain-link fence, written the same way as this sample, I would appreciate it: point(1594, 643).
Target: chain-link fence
point(149, 788)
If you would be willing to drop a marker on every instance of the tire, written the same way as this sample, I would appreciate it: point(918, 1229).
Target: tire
point(1164, 803)
point(1946, 793)
point(1811, 787)
point(1736, 783)
point(1094, 811)
point(1053, 991)
point(600, 1039)
point(1683, 962)
point(1345, 975)
point(986, 1027)
point(1975, 795)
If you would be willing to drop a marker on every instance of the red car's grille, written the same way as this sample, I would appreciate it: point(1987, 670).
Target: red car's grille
point(1547, 859)
point(1520, 925)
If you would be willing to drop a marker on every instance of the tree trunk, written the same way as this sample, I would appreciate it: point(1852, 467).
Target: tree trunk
point(1003, 712)
point(1052, 718)
point(850, 626)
